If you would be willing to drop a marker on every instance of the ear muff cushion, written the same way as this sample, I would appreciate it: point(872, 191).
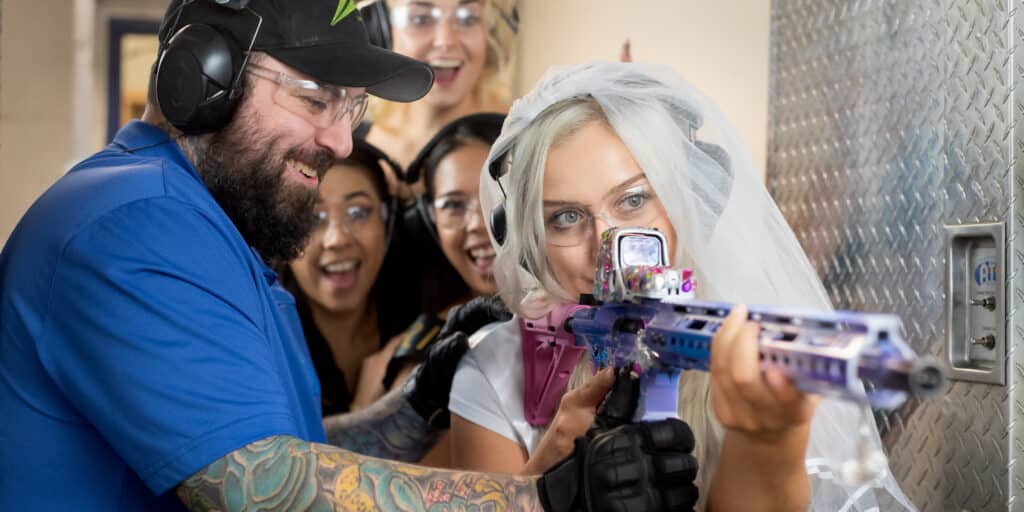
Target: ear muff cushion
point(377, 19)
point(418, 224)
point(179, 91)
point(498, 225)
point(195, 74)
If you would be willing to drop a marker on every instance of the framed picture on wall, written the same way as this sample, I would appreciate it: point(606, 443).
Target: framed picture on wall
point(133, 49)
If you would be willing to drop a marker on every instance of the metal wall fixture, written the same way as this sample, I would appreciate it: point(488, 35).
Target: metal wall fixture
point(976, 302)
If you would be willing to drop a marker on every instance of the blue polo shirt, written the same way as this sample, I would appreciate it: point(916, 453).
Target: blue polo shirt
point(141, 338)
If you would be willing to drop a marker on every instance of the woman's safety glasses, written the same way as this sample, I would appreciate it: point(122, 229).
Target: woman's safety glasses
point(321, 105)
point(454, 212)
point(421, 19)
point(353, 218)
point(571, 224)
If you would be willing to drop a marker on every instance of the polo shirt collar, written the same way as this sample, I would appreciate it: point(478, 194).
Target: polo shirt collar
point(145, 139)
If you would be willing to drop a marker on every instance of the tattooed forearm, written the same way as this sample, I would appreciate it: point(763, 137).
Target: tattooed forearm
point(285, 473)
point(389, 429)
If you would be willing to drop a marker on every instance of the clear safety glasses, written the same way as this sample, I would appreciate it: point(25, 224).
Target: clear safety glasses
point(353, 218)
point(421, 19)
point(321, 105)
point(454, 212)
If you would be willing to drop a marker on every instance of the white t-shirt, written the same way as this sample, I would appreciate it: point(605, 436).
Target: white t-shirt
point(488, 385)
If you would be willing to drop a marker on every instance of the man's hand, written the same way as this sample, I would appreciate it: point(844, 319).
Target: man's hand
point(470, 317)
point(643, 466)
point(432, 381)
point(579, 413)
point(619, 407)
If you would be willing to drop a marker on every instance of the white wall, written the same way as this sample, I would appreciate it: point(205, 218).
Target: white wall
point(721, 46)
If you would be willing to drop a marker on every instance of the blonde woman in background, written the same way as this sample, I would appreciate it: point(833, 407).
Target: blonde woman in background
point(471, 47)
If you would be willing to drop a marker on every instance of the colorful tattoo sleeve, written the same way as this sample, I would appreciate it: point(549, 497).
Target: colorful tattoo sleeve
point(285, 473)
point(390, 429)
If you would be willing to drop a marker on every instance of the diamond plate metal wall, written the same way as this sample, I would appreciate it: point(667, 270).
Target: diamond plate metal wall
point(889, 119)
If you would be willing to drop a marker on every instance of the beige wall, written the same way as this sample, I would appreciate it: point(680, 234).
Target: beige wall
point(105, 10)
point(35, 102)
point(721, 46)
point(49, 117)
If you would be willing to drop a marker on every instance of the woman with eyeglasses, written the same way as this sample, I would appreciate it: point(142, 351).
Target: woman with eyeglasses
point(470, 44)
point(632, 145)
point(453, 254)
point(450, 167)
point(348, 307)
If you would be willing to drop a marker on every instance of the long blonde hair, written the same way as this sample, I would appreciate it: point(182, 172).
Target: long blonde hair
point(493, 90)
point(524, 203)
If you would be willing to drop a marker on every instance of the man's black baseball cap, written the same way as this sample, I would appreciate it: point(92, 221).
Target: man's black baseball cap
point(325, 39)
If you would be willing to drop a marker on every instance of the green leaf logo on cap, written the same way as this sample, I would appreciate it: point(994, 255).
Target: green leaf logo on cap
point(345, 7)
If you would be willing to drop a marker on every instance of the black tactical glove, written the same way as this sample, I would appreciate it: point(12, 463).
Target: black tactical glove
point(631, 468)
point(471, 316)
point(432, 381)
point(619, 406)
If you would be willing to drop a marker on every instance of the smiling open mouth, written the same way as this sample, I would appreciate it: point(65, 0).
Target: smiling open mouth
point(482, 259)
point(303, 168)
point(446, 70)
point(341, 274)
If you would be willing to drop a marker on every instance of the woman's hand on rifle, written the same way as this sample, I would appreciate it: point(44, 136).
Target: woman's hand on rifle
point(767, 421)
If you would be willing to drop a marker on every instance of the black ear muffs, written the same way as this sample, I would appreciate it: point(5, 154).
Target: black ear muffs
point(377, 19)
point(420, 218)
point(498, 227)
point(196, 75)
point(418, 221)
point(194, 79)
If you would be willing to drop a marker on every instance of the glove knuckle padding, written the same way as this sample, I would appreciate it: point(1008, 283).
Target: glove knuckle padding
point(644, 501)
point(671, 434)
point(680, 498)
point(612, 474)
point(675, 468)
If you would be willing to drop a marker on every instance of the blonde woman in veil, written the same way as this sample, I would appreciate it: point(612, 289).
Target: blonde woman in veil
point(634, 145)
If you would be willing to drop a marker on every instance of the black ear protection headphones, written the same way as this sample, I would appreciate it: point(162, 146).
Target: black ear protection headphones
point(377, 18)
point(499, 226)
point(198, 75)
point(484, 127)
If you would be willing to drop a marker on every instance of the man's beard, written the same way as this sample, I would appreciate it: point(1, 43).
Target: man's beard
point(245, 172)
